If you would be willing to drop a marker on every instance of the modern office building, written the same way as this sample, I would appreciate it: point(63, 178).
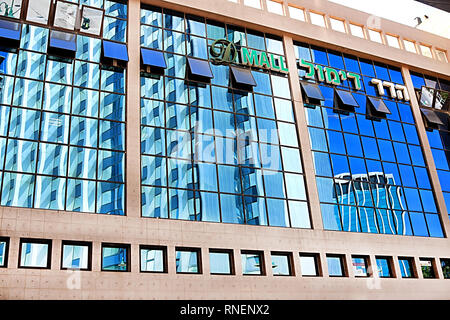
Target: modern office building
point(246, 149)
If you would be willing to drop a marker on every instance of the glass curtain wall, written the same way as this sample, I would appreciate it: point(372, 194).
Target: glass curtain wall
point(370, 171)
point(211, 152)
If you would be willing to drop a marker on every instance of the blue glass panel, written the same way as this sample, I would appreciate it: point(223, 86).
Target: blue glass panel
point(262, 82)
point(110, 198)
point(302, 52)
point(88, 48)
point(382, 72)
point(350, 219)
point(21, 156)
point(154, 202)
point(386, 150)
point(80, 195)
point(34, 38)
point(403, 223)
point(314, 117)
point(418, 223)
point(365, 125)
point(434, 225)
point(417, 80)
point(340, 165)
point(267, 131)
point(113, 50)
point(330, 217)
point(336, 142)
point(50, 193)
point(357, 166)
point(368, 220)
point(401, 151)
point(396, 75)
point(200, 68)
point(413, 199)
point(255, 210)
point(396, 131)
point(411, 133)
point(423, 180)
point(112, 135)
point(351, 64)
point(429, 205)
point(17, 190)
point(9, 30)
point(219, 263)
point(370, 148)
point(52, 159)
point(335, 59)
point(63, 40)
point(407, 175)
point(208, 207)
point(353, 144)
point(325, 187)
point(83, 131)
point(82, 163)
point(384, 269)
point(331, 119)
point(278, 213)
point(28, 93)
point(232, 208)
point(367, 68)
point(322, 164)
point(111, 166)
point(405, 113)
point(319, 55)
point(114, 29)
point(24, 124)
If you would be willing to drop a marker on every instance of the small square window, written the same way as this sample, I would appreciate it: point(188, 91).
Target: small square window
point(426, 51)
point(360, 266)
point(252, 263)
point(296, 13)
point(445, 265)
point(410, 46)
point(65, 15)
point(153, 259)
point(275, 7)
point(406, 267)
point(188, 260)
point(35, 253)
point(91, 20)
point(76, 255)
point(10, 33)
point(311, 93)
point(356, 30)
point(115, 257)
point(11, 8)
point(335, 265)
point(337, 24)
point(221, 261)
point(317, 18)
point(38, 11)
point(384, 267)
point(375, 36)
point(199, 69)
point(4, 247)
point(253, 3)
point(281, 264)
point(114, 51)
point(309, 264)
point(427, 266)
point(392, 41)
point(441, 55)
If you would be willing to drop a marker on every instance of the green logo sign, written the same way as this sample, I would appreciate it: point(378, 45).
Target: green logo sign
point(225, 51)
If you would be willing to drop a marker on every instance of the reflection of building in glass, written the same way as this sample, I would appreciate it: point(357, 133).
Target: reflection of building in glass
point(367, 191)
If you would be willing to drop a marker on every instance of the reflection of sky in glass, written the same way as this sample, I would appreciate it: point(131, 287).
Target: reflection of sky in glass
point(34, 255)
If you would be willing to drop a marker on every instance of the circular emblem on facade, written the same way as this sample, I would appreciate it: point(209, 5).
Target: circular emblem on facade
point(223, 51)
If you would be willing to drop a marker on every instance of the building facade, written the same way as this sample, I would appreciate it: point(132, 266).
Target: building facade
point(247, 149)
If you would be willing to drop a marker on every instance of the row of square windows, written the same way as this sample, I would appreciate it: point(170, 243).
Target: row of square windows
point(36, 253)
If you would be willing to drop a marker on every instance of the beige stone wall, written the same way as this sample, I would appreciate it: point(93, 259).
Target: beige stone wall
point(55, 283)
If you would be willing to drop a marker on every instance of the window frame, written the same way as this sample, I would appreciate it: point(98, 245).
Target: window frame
point(37, 241)
point(366, 263)
point(433, 267)
point(5, 257)
point(290, 262)
point(116, 245)
point(390, 267)
point(77, 243)
point(199, 259)
point(317, 264)
point(230, 253)
point(412, 266)
point(343, 265)
point(262, 263)
point(154, 247)
point(440, 262)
